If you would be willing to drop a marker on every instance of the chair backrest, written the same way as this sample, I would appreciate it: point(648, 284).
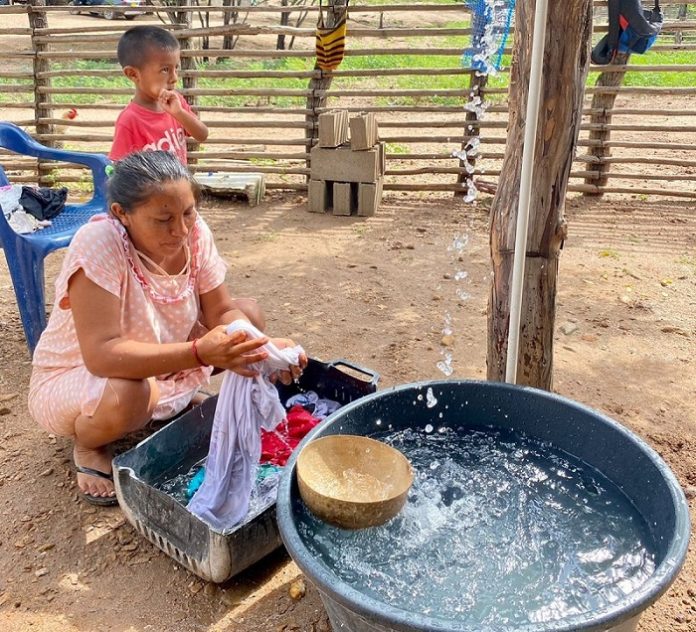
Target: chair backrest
point(16, 139)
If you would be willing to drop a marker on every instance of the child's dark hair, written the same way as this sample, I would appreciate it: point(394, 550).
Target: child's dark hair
point(136, 42)
point(138, 175)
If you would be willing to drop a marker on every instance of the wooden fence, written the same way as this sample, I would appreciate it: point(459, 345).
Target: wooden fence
point(403, 61)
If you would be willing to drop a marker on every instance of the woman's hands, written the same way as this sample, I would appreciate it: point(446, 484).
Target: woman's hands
point(232, 352)
point(235, 353)
point(286, 377)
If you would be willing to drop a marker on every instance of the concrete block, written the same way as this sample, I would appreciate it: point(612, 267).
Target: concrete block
point(317, 198)
point(228, 184)
point(333, 128)
point(363, 131)
point(343, 165)
point(369, 197)
point(342, 198)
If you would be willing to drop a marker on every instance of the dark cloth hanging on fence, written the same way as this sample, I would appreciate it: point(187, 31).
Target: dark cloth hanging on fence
point(43, 203)
point(631, 30)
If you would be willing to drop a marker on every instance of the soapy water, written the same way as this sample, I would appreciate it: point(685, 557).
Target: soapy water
point(263, 494)
point(499, 529)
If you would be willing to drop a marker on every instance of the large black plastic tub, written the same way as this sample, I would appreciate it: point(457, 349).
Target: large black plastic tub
point(215, 556)
point(585, 433)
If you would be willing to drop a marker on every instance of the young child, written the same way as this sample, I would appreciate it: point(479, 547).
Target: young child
point(158, 117)
point(139, 319)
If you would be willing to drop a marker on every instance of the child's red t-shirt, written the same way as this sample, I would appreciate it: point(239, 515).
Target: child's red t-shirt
point(140, 129)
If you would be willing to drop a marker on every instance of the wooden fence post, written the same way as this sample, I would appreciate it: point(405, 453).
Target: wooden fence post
point(681, 16)
point(602, 106)
point(477, 83)
point(39, 20)
point(335, 10)
point(184, 19)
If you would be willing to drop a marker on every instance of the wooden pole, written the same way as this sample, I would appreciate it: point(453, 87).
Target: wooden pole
point(229, 17)
point(320, 84)
point(284, 21)
point(566, 62)
point(188, 64)
point(42, 102)
point(602, 106)
point(472, 130)
point(681, 16)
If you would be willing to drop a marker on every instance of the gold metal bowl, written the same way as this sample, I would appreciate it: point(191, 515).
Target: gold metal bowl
point(353, 482)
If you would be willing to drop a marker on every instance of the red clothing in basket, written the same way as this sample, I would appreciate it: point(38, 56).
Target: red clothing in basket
point(277, 445)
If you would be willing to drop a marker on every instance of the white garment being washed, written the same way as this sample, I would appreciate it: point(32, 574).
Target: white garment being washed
point(245, 405)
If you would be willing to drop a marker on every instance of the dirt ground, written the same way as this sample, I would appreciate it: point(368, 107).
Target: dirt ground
point(375, 291)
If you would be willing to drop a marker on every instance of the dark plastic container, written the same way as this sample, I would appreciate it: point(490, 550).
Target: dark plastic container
point(215, 556)
point(599, 441)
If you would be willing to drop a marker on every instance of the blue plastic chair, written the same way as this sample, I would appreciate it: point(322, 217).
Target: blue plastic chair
point(25, 253)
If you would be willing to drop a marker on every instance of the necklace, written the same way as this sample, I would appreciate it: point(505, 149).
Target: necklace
point(157, 269)
point(157, 296)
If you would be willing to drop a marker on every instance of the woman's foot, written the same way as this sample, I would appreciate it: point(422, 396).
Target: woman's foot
point(94, 486)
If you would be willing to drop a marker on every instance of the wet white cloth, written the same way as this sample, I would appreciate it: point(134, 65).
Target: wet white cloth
point(245, 405)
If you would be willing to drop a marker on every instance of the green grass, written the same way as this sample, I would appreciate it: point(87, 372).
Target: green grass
point(406, 82)
point(658, 79)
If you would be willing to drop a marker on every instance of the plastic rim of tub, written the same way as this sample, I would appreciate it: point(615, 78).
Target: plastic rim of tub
point(632, 605)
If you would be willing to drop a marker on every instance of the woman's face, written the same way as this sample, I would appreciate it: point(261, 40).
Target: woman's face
point(160, 225)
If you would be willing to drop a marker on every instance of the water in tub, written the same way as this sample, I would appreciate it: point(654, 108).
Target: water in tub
point(498, 529)
point(264, 492)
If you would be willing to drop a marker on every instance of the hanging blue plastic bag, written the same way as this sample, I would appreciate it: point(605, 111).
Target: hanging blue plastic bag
point(490, 26)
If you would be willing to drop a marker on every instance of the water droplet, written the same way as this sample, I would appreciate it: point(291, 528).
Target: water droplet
point(431, 399)
point(428, 428)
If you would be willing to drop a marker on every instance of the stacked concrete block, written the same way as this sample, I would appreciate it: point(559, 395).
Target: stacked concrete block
point(346, 178)
point(363, 131)
point(333, 128)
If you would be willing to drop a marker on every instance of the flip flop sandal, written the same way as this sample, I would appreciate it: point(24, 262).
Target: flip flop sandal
point(103, 501)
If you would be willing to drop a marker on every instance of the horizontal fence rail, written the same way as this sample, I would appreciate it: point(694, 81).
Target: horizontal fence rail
point(249, 72)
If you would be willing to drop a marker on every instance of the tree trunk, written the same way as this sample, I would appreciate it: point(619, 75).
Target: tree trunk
point(229, 17)
point(566, 61)
point(284, 21)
